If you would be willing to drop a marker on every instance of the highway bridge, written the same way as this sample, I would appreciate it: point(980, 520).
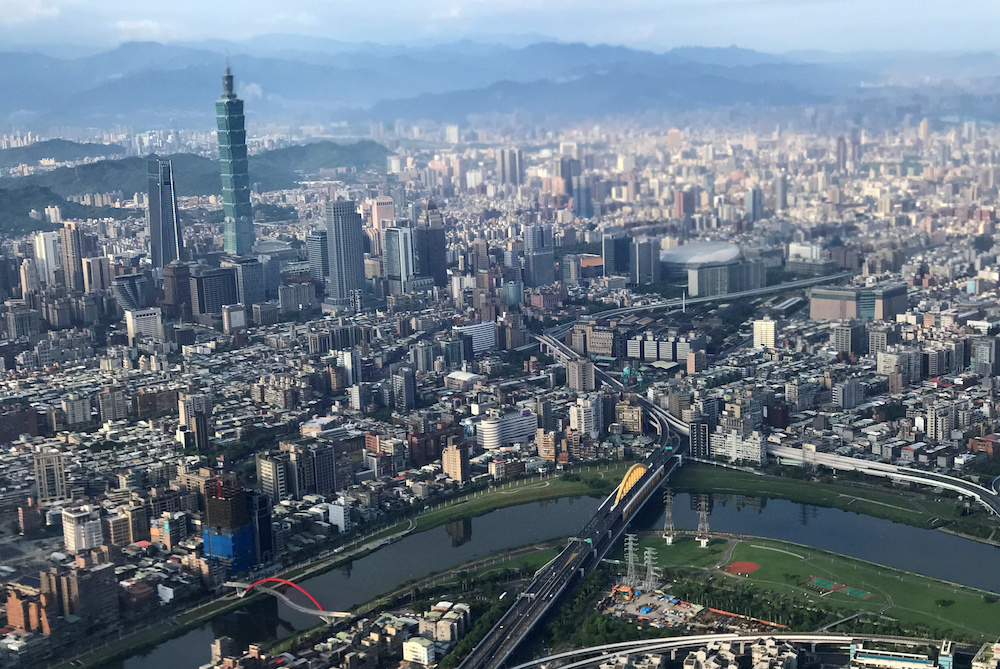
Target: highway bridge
point(590, 546)
point(984, 496)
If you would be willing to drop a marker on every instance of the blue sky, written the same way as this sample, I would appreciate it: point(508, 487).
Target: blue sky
point(767, 25)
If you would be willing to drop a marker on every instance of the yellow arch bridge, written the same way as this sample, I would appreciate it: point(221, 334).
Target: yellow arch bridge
point(634, 477)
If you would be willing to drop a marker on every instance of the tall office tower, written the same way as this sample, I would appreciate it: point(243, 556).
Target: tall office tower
point(615, 248)
point(195, 411)
point(211, 289)
point(318, 252)
point(165, 241)
point(347, 262)
point(685, 202)
point(841, 154)
point(753, 205)
point(48, 256)
point(71, 241)
point(539, 259)
point(510, 164)
point(383, 215)
point(763, 333)
point(96, 274)
point(583, 204)
point(177, 290)
point(249, 280)
point(455, 463)
point(50, 478)
point(644, 260)
point(130, 291)
point(398, 258)
point(238, 236)
point(781, 192)
point(29, 277)
point(429, 249)
point(567, 168)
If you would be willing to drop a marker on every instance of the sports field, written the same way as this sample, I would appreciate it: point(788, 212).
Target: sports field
point(850, 585)
point(843, 582)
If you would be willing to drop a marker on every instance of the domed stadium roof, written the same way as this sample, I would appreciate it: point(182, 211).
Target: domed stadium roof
point(700, 254)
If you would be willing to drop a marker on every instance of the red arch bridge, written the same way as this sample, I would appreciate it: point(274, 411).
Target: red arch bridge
point(327, 616)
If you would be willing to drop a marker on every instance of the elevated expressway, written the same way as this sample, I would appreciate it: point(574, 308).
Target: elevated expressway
point(984, 496)
point(595, 655)
point(561, 330)
point(586, 550)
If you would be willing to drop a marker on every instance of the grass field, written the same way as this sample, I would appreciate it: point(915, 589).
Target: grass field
point(902, 595)
point(592, 480)
point(912, 509)
point(905, 596)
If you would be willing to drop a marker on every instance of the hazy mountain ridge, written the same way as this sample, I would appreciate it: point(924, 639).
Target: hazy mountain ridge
point(196, 175)
point(151, 84)
point(60, 150)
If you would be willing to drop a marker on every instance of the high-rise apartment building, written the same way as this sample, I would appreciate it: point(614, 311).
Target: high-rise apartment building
point(344, 239)
point(455, 463)
point(763, 333)
point(50, 478)
point(96, 274)
point(71, 247)
point(195, 411)
point(165, 241)
point(238, 234)
point(82, 528)
point(580, 375)
point(48, 256)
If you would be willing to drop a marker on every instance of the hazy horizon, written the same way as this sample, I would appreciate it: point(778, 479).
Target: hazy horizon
point(773, 26)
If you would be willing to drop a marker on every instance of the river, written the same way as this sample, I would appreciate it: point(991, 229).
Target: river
point(928, 552)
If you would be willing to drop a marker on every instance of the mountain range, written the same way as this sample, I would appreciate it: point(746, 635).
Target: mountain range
point(159, 85)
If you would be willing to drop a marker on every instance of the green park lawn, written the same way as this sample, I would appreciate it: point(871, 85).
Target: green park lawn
point(587, 481)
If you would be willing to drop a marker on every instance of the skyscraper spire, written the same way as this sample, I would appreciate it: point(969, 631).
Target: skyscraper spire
point(227, 82)
point(238, 235)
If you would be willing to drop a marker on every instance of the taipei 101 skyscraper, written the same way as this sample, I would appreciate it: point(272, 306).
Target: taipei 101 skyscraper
point(238, 235)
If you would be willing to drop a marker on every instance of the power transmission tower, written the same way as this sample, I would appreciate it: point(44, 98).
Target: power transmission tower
point(631, 548)
point(703, 529)
point(668, 516)
point(649, 558)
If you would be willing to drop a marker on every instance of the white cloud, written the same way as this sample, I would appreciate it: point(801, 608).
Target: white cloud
point(23, 11)
point(251, 91)
point(141, 30)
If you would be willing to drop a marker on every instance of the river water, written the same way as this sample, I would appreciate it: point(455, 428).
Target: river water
point(928, 552)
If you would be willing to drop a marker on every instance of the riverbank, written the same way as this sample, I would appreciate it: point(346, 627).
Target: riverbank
point(902, 506)
point(818, 577)
point(578, 482)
